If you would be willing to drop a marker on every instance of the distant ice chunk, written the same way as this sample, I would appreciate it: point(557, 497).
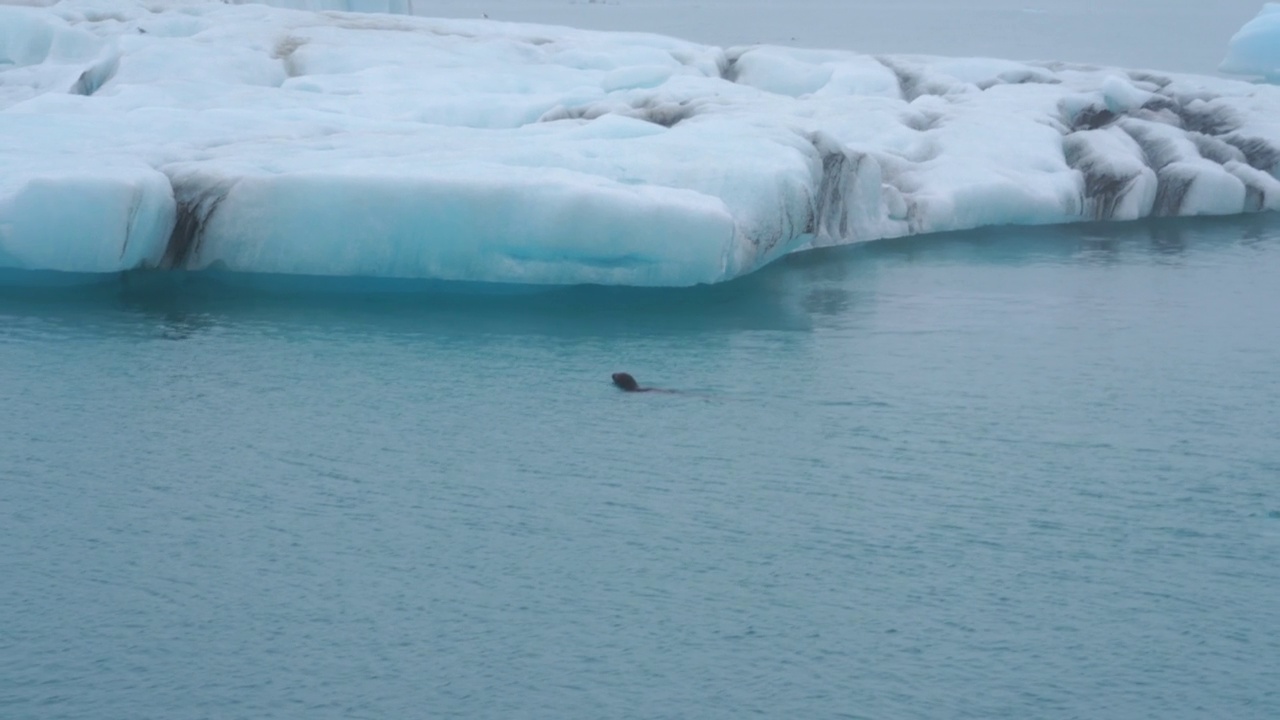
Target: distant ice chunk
point(1255, 49)
point(198, 135)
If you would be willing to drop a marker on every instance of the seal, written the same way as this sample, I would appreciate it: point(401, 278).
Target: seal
point(628, 383)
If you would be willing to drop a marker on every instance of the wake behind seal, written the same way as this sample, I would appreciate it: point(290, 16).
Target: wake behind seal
point(625, 382)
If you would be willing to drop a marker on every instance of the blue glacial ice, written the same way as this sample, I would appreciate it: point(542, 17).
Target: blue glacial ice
point(192, 135)
point(1255, 49)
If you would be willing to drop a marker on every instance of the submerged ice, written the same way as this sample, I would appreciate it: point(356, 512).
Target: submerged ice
point(257, 139)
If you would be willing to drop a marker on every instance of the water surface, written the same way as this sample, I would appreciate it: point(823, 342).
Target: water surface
point(1023, 473)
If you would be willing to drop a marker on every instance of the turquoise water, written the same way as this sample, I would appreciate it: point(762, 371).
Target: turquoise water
point(1001, 474)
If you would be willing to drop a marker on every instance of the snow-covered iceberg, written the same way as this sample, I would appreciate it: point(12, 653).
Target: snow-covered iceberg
point(256, 139)
point(1255, 50)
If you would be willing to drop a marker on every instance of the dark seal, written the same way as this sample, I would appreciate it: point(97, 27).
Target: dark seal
point(628, 383)
point(625, 382)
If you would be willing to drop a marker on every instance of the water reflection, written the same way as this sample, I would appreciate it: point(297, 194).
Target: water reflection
point(182, 326)
point(1168, 239)
point(1022, 245)
point(791, 295)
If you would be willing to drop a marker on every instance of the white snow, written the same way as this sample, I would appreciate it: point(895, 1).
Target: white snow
point(1255, 49)
point(268, 140)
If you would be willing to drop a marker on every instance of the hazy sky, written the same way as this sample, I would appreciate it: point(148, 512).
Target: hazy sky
point(1183, 35)
point(1176, 35)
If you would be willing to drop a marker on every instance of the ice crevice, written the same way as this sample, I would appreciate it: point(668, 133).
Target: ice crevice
point(176, 134)
point(196, 199)
point(96, 76)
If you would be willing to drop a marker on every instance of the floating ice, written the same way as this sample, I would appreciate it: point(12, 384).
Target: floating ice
point(1255, 50)
point(267, 140)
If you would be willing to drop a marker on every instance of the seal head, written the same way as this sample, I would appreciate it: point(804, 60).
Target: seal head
point(626, 382)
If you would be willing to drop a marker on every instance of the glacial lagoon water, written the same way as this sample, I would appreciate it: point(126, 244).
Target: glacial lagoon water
point(1014, 473)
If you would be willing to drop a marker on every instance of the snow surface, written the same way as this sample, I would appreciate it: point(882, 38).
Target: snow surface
point(1255, 50)
point(267, 140)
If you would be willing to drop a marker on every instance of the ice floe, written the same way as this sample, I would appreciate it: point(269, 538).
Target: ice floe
point(257, 139)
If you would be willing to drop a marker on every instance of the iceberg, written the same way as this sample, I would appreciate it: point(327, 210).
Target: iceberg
point(256, 139)
point(1255, 49)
